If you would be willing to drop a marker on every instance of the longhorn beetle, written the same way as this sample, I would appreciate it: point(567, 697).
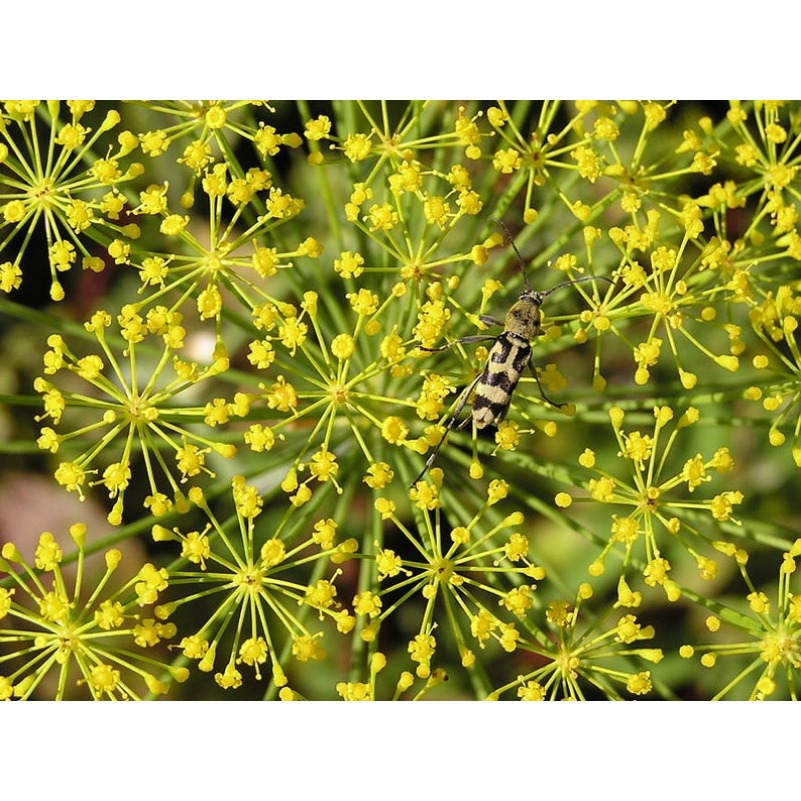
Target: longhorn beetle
point(508, 357)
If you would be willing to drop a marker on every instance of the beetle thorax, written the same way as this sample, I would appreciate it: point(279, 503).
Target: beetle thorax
point(524, 317)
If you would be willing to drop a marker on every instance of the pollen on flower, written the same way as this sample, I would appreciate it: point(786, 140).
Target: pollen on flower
point(602, 489)
point(563, 500)
point(307, 647)
point(345, 621)
point(349, 264)
point(48, 552)
point(378, 475)
point(476, 470)
point(507, 437)
point(518, 600)
point(190, 460)
point(149, 633)
point(560, 614)
point(230, 678)
point(392, 348)
point(708, 568)
point(759, 603)
point(460, 535)
point(437, 210)
point(709, 660)
point(656, 571)
point(482, 625)
point(394, 430)
point(388, 563)
point(273, 552)
point(421, 650)
point(637, 447)
point(261, 353)
point(324, 533)
point(694, 472)
point(385, 507)
point(318, 128)
point(282, 396)
point(323, 466)
point(367, 603)
point(588, 161)
point(253, 652)
point(625, 596)
point(629, 630)
point(343, 346)
point(581, 211)
point(292, 334)
point(531, 691)
point(468, 133)
point(624, 529)
point(109, 615)
point(354, 691)
point(357, 147)
point(722, 505)
point(363, 302)
point(640, 683)
point(154, 143)
point(597, 568)
point(173, 224)
point(425, 495)
point(381, 217)
point(103, 678)
point(497, 490)
point(10, 276)
point(507, 161)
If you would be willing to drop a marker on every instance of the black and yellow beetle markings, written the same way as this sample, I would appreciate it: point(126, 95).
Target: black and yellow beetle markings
point(509, 356)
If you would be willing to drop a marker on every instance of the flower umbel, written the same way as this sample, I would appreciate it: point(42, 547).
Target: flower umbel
point(772, 630)
point(254, 586)
point(127, 406)
point(62, 190)
point(582, 658)
point(73, 641)
point(658, 506)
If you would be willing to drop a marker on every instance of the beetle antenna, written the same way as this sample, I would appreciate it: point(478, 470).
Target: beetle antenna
point(517, 252)
point(577, 281)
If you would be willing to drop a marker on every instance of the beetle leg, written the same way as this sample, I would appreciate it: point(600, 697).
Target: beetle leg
point(539, 385)
point(449, 426)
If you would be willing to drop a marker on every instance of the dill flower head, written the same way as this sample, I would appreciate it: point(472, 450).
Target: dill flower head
point(579, 659)
point(126, 400)
point(74, 640)
point(56, 188)
point(765, 629)
point(264, 594)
